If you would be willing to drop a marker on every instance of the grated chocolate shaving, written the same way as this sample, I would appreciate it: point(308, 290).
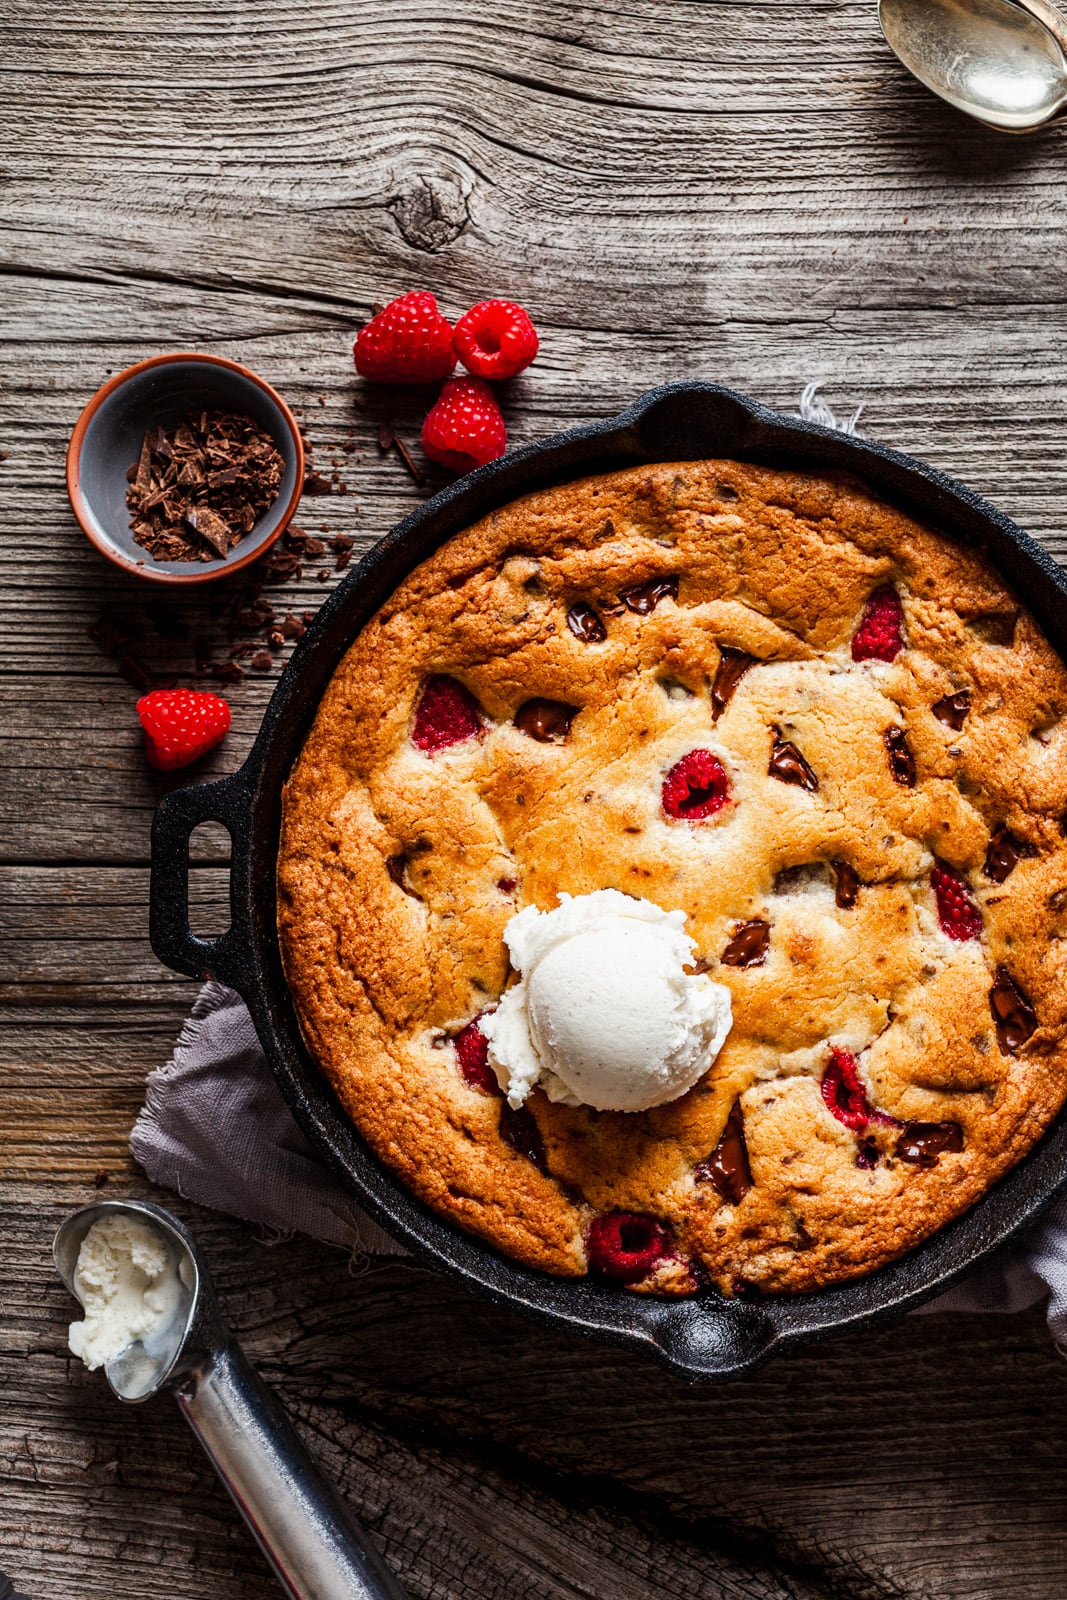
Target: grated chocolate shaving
point(197, 491)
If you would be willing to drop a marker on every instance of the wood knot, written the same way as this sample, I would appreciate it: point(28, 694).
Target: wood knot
point(431, 216)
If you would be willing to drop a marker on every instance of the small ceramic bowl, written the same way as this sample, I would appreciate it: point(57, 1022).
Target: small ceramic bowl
point(107, 439)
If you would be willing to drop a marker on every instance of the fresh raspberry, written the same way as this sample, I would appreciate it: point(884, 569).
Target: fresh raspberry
point(695, 787)
point(181, 725)
point(446, 714)
point(846, 1098)
point(957, 913)
point(625, 1246)
point(409, 341)
point(496, 339)
point(465, 428)
point(472, 1052)
point(880, 635)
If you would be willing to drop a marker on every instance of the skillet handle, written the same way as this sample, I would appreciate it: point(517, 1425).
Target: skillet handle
point(227, 958)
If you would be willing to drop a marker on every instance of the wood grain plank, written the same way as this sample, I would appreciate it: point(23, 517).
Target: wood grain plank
point(70, 936)
point(464, 1434)
point(755, 193)
point(72, 1077)
point(577, 199)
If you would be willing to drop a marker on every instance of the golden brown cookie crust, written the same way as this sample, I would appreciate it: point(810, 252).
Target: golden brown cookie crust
point(399, 869)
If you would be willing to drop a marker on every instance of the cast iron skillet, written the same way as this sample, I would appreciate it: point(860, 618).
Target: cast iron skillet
point(705, 1336)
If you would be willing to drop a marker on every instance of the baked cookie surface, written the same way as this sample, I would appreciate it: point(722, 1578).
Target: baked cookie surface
point(542, 707)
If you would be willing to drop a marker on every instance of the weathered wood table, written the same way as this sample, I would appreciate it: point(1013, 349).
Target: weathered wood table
point(749, 192)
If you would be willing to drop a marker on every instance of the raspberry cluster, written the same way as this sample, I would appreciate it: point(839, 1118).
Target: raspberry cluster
point(472, 1053)
point(447, 714)
point(410, 341)
point(696, 787)
point(957, 913)
point(880, 635)
point(626, 1246)
point(845, 1096)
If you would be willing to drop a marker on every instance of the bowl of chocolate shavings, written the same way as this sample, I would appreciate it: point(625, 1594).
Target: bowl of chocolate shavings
point(185, 468)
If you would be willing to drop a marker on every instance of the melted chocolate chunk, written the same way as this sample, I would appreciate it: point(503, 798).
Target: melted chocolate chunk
point(585, 624)
point(921, 1143)
point(742, 1289)
point(519, 1130)
point(868, 1155)
point(953, 709)
point(547, 721)
point(733, 664)
point(197, 490)
point(788, 765)
point(647, 596)
point(901, 760)
point(748, 947)
point(727, 1168)
point(396, 867)
point(1004, 854)
point(847, 891)
point(1014, 1016)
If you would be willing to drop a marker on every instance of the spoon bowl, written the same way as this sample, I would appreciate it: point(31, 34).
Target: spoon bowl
point(144, 1366)
point(1003, 62)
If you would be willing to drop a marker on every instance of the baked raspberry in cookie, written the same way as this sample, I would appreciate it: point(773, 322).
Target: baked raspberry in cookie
point(830, 739)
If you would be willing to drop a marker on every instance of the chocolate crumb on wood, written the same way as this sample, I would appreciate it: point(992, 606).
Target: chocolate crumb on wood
point(199, 489)
point(387, 438)
point(409, 461)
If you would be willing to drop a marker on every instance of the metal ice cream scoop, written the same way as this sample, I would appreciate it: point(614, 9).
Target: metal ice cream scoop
point(317, 1548)
point(1002, 61)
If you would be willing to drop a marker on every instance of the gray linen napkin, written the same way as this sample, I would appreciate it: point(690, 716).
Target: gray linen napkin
point(214, 1127)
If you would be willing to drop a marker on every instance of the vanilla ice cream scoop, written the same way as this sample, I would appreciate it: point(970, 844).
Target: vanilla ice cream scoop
point(128, 1285)
point(604, 1013)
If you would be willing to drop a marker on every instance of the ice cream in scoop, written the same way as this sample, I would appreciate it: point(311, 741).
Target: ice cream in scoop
point(604, 1013)
point(128, 1285)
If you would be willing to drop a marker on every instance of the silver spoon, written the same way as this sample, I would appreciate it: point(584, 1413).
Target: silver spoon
point(1002, 61)
point(316, 1547)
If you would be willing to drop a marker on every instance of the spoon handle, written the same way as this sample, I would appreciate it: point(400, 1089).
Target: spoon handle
point(313, 1542)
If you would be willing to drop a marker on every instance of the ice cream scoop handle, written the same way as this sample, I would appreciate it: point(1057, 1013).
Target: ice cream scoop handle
point(315, 1545)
